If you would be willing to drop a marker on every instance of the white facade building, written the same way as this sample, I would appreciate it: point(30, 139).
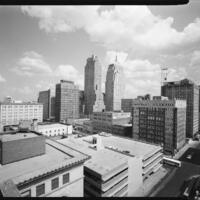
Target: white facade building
point(13, 113)
point(54, 129)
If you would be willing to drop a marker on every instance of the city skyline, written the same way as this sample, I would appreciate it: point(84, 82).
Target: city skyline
point(42, 45)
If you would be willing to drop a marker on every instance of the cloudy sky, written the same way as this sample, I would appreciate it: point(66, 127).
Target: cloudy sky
point(40, 45)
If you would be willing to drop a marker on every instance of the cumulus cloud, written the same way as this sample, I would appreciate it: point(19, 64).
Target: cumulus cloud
point(62, 18)
point(2, 79)
point(142, 76)
point(69, 72)
point(122, 27)
point(31, 63)
point(23, 90)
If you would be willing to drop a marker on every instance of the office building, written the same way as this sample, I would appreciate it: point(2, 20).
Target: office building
point(110, 121)
point(188, 90)
point(81, 103)
point(45, 99)
point(118, 167)
point(161, 122)
point(66, 101)
point(115, 87)
point(32, 166)
point(127, 105)
point(92, 92)
point(13, 113)
point(53, 107)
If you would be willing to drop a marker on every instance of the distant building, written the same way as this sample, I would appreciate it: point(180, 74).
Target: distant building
point(45, 99)
point(54, 129)
point(13, 113)
point(52, 107)
point(32, 166)
point(199, 108)
point(189, 91)
point(127, 104)
point(118, 167)
point(161, 122)
point(83, 125)
point(81, 103)
point(66, 101)
point(8, 99)
point(92, 91)
point(110, 122)
point(114, 89)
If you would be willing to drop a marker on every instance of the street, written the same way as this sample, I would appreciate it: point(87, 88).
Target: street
point(173, 185)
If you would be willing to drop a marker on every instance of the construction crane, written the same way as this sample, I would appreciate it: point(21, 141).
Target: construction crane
point(164, 73)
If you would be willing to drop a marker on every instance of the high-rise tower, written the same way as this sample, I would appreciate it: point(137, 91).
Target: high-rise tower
point(114, 87)
point(187, 90)
point(66, 101)
point(92, 92)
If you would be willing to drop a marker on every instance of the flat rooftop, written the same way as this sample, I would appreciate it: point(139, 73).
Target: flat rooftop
point(135, 148)
point(102, 164)
point(57, 156)
point(99, 163)
point(5, 137)
point(47, 124)
point(20, 103)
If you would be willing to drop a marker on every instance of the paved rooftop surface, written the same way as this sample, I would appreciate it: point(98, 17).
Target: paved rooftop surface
point(17, 136)
point(102, 161)
point(134, 147)
point(105, 159)
point(51, 125)
point(104, 164)
point(57, 155)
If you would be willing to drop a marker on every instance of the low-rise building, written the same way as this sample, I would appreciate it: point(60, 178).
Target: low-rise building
point(32, 166)
point(12, 113)
point(161, 122)
point(107, 121)
point(118, 166)
point(54, 129)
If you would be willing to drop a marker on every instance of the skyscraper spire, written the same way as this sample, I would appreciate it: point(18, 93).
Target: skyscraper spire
point(116, 58)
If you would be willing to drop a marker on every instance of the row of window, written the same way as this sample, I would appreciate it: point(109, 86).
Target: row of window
point(40, 189)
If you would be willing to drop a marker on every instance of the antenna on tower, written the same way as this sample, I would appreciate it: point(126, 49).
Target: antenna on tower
point(116, 57)
point(164, 73)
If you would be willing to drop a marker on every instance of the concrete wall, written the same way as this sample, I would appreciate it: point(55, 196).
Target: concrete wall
point(21, 149)
point(135, 180)
point(72, 189)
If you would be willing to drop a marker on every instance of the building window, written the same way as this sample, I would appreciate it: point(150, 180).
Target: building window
point(26, 193)
point(40, 189)
point(54, 183)
point(65, 178)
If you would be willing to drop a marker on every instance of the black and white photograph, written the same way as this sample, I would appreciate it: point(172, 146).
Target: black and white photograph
point(100, 100)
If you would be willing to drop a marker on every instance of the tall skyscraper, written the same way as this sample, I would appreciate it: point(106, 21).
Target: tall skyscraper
point(52, 107)
point(66, 101)
point(92, 91)
point(81, 103)
point(114, 87)
point(45, 99)
point(189, 91)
